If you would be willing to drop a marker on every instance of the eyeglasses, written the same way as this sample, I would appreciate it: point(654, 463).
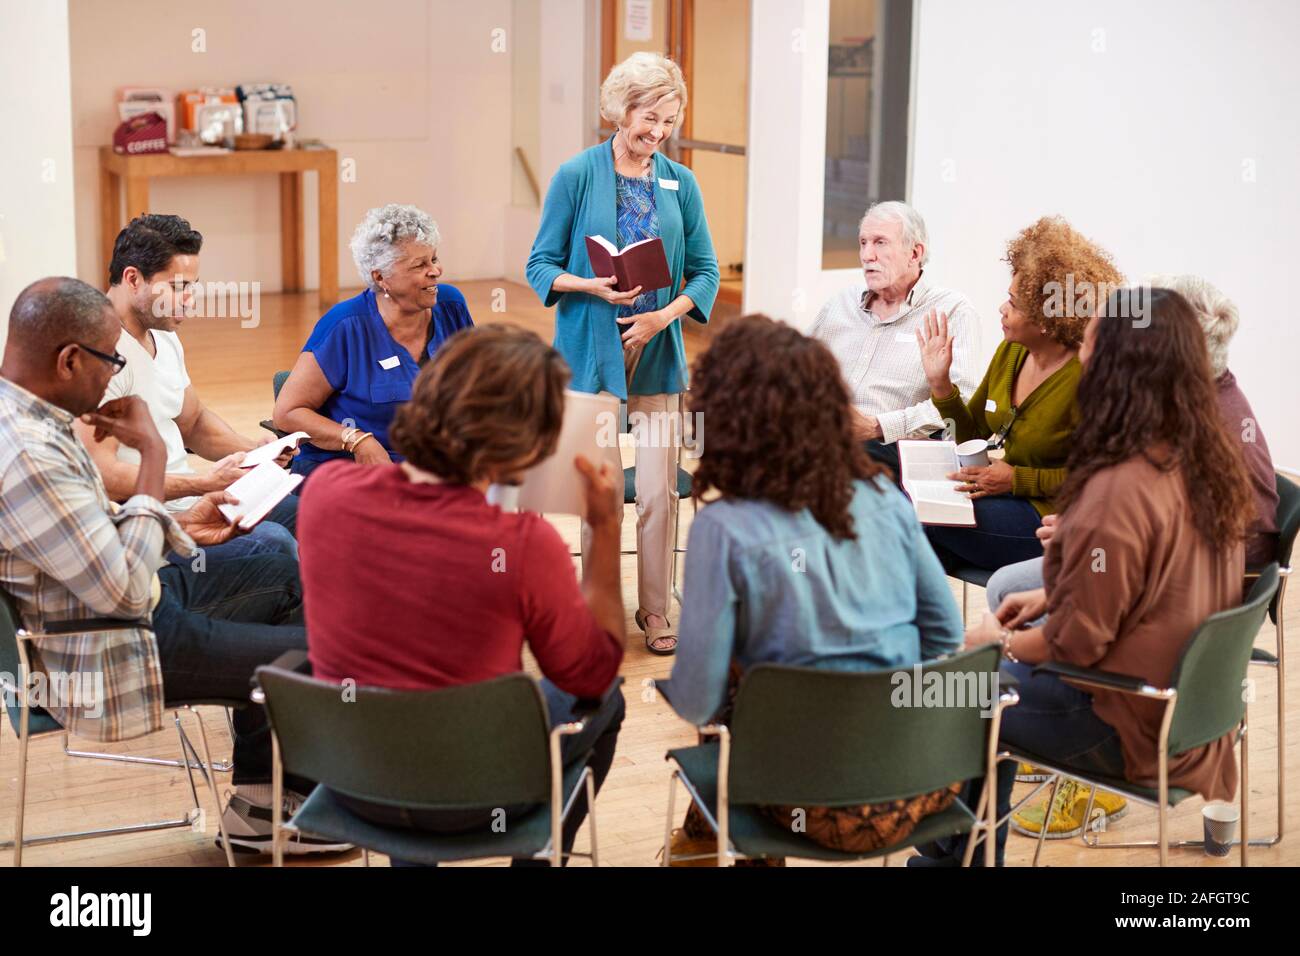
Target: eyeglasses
point(1000, 439)
point(116, 359)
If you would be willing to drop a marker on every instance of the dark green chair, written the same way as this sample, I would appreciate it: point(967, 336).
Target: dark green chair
point(808, 737)
point(277, 383)
point(1288, 523)
point(29, 721)
point(1202, 703)
point(480, 745)
point(968, 575)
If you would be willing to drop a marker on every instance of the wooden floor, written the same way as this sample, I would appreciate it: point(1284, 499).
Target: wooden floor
point(232, 367)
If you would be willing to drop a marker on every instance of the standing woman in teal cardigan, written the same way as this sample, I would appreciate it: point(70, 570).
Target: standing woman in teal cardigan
point(629, 344)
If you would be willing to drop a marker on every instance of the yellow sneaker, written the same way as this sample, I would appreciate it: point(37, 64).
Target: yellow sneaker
point(1068, 809)
point(1028, 773)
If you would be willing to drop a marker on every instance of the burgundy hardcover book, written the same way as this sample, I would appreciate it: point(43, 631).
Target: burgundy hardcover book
point(640, 264)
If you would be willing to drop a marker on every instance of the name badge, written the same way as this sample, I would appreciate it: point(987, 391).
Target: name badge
point(668, 184)
point(904, 337)
point(990, 406)
point(391, 362)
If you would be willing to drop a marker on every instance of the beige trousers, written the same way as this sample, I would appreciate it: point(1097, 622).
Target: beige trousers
point(655, 424)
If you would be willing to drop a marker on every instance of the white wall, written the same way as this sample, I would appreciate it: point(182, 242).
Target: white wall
point(409, 89)
point(1165, 130)
point(787, 149)
point(36, 185)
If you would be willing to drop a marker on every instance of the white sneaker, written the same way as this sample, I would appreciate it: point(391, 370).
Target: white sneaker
point(248, 824)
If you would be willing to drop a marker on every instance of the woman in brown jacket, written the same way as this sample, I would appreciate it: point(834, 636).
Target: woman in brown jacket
point(1149, 544)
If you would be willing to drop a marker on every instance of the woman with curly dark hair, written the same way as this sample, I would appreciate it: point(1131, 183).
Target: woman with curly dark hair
point(1026, 402)
point(809, 555)
point(1149, 544)
point(412, 580)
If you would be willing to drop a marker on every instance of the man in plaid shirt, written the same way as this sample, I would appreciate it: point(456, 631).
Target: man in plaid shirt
point(68, 554)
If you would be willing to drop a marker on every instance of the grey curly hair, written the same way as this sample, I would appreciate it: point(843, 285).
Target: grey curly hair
point(1216, 312)
point(375, 243)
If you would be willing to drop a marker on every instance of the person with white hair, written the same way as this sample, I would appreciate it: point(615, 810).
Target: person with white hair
point(362, 357)
point(1015, 592)
point(1010, 587)
point(628, 343)
point(870, 326)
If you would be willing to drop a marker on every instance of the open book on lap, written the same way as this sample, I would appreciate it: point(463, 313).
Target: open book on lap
point(926, 466)
point(258, 492)
point(271, 450)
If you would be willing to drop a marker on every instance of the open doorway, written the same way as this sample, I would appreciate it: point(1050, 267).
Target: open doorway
point(710, 41)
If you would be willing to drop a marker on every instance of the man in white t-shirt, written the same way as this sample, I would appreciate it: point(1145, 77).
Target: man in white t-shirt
point(152, 274)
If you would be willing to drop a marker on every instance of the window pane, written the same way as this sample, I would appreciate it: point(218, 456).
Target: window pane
point(867, 91)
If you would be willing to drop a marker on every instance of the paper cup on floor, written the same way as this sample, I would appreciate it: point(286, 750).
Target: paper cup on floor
point(1220, 827)
point(973, 453)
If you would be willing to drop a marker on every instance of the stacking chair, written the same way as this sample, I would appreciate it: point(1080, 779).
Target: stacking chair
point(277, 383)
point(969, 575)
point(1202, 703)
point(809, 737)
point(1288, 523)
point(480, 745)
point(29, 722)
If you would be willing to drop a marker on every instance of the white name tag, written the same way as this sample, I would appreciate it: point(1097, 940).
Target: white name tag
point(990, 406)
point(668, 184)
point(391, 362)
point(904, 337)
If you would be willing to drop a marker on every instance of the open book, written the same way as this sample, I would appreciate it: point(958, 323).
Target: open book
point(555, 486)
point(926, 466)
point(639, 264)
point(271, 450)
point(258, 492)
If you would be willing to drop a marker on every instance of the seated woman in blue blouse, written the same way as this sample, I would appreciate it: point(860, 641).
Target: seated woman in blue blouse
point(810, 556)
point(363, 356)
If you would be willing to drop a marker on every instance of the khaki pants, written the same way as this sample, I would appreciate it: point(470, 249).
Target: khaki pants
point(655, 422)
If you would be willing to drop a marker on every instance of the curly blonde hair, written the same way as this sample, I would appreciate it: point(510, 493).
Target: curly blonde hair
point(1060, 278)
point(643, 79)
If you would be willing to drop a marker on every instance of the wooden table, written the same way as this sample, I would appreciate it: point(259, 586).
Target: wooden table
point(290, 164)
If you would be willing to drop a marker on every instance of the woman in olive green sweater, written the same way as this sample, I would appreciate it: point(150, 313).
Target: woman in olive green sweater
point(1025, 405)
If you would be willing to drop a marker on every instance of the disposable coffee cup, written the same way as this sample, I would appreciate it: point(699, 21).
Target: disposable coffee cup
point(1220, 827)
point(973, 453)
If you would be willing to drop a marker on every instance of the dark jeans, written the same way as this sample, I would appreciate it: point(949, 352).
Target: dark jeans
point(215, 627)
point(1003, 534)
point(598, 739)
point(1055, 721)
point(886, 455)
point(277, 533)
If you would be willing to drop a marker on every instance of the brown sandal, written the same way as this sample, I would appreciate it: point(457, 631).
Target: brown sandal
point(653, 634)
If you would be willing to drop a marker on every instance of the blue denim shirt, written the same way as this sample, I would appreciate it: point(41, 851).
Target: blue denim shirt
point(767, 585)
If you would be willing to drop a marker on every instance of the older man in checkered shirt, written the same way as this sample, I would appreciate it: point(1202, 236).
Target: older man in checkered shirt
point(69, 557)
point(871, 327)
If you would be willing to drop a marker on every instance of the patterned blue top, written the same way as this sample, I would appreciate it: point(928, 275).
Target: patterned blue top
point(583, 201)
point(637, 219)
